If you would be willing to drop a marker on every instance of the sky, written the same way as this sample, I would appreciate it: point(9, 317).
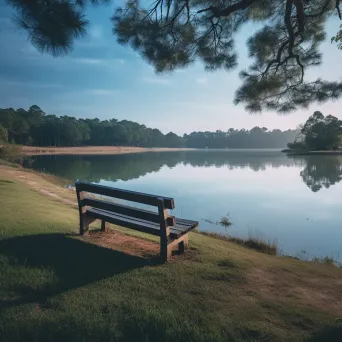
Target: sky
point(102, 79)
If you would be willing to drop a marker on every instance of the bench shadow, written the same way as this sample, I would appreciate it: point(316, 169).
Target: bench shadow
point(74, 263)
point(328, 334)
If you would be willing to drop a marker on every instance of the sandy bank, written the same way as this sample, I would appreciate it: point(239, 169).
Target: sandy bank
point(33, 150)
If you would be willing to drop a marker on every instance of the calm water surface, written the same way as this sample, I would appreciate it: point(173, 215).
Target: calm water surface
point(293, 200)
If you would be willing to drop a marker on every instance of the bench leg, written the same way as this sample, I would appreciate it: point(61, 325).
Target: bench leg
point(165, 250)
point(84, 225)
point(183, 244)
point(105, 226)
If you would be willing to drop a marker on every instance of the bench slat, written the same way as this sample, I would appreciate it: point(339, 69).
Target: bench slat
point(142, 225)
point(125, 194)
point(125, 221)
point(122, 209)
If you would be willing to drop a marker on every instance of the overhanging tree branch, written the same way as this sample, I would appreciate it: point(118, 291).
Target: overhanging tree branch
point(225, 12)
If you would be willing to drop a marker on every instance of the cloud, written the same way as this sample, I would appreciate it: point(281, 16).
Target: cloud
point(202, 80)
point(29, 84)
point(102, 92)
point(156, 80)
point(88, 60)
point(98, 61)
point(120, 61)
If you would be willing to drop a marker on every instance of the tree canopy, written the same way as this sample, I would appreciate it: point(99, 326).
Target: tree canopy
point(319, 133)
point(34, 127)
point(172, 34)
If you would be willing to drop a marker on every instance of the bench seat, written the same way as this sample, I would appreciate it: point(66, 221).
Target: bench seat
point(182, 226)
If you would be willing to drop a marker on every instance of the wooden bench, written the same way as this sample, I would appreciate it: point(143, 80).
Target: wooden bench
point(173, 231)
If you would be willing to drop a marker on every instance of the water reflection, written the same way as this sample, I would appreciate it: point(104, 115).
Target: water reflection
point(317, 172)
point(321, 171)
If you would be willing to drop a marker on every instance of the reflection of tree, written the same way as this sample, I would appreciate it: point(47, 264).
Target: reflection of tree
point(321, 171)
point(132, 166)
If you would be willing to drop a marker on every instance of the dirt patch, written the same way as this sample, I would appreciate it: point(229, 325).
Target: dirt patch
point(122, 242)
point(38, 183)
point(134, 246)
point(57, 197)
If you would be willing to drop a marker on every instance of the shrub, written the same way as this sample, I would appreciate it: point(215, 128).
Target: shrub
point(11, 153)
point(297, 145)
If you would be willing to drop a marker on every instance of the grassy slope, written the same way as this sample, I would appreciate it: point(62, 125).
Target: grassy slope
point(54, 287)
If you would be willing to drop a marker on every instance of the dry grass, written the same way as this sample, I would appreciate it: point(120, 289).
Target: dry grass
point(33, 150)
point(254, 243)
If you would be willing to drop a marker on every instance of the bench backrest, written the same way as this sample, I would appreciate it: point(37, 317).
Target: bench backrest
point(163, 203)
point(127, 195)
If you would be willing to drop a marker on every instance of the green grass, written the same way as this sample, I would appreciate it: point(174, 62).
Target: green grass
point(55, 287)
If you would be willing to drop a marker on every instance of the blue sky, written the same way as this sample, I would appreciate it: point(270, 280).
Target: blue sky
point(103, 79)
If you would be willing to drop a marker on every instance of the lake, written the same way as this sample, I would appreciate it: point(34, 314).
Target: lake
point(294, 200)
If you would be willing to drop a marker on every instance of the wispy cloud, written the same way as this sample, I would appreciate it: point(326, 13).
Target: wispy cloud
point(156, 80)
point(9, 83)
point(104, 92)
point(98, 61)
point(91, 61)
point(202, 80)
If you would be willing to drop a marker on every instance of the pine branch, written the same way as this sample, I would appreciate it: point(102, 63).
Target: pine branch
point(225, 12)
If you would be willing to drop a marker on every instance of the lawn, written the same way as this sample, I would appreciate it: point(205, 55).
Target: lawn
point(55, 286)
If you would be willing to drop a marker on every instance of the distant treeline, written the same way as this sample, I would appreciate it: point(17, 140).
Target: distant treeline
point(34, 127)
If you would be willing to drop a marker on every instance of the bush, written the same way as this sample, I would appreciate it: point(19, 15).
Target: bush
point(297, 145)
point(11, 153)
point(3, 135)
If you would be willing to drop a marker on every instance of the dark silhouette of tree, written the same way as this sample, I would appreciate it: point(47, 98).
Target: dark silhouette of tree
point(320, 133)
point(172, 34)
point(34, 127)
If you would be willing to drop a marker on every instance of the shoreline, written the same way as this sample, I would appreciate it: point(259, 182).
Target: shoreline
point(95, 150)
point(304, 153)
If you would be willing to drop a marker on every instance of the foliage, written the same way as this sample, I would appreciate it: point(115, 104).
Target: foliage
point(175, 33)
point(297, 145)
point(255, 138)
point(322, 133)
point(338, 38)
point(11, 153)
point(319, 133)
point(3, 135)
point(34, 127)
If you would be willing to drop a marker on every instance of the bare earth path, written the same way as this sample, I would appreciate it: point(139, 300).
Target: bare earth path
point(44, 184)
